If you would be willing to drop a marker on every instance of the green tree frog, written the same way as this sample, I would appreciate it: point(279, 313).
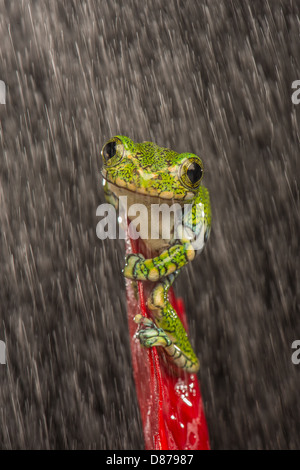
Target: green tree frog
point(150, 174)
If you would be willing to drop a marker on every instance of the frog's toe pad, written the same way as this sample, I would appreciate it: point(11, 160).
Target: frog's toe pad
point(144, 321)
point(149, 334)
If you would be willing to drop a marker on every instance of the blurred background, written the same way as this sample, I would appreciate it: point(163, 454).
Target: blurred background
point(210, 77)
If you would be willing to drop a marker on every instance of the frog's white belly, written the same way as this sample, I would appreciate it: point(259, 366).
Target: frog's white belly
point(154, 228)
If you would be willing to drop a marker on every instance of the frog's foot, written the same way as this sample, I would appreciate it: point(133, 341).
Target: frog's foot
point(149, 334)
point(154, 269)
point(133, 267)
point(140, 269)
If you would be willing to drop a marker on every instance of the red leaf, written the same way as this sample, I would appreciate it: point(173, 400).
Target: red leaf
point(169, 399)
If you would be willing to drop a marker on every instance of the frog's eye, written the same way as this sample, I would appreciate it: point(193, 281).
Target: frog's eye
point(112, 151)
point(191, 172)
point(109, 150)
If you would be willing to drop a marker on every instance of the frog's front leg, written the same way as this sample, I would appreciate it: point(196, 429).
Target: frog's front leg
point(167, 331)
point(153, 269)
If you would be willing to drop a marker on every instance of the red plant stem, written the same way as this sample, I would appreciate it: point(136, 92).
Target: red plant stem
point(169, 399)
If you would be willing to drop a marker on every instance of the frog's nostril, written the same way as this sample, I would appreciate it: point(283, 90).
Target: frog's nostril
point(109, 151)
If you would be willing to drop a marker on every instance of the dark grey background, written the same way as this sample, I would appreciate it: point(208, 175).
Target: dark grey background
point(210, 77)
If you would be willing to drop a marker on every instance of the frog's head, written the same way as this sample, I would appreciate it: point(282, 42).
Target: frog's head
point(148, 169)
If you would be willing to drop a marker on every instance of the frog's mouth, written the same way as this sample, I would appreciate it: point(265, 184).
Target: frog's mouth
point(120, 187)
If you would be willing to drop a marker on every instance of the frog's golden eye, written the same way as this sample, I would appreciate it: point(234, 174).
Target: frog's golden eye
point(191, 172)
point(112, 151)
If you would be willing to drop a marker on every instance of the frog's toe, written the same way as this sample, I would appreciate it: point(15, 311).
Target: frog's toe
point(149, 341)
point(151, 335)
point(144, 321)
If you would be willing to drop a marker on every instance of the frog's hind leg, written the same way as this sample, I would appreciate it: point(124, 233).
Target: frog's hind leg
point(167, 331)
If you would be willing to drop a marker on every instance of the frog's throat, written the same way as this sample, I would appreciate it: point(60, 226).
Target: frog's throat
point(167, 196)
